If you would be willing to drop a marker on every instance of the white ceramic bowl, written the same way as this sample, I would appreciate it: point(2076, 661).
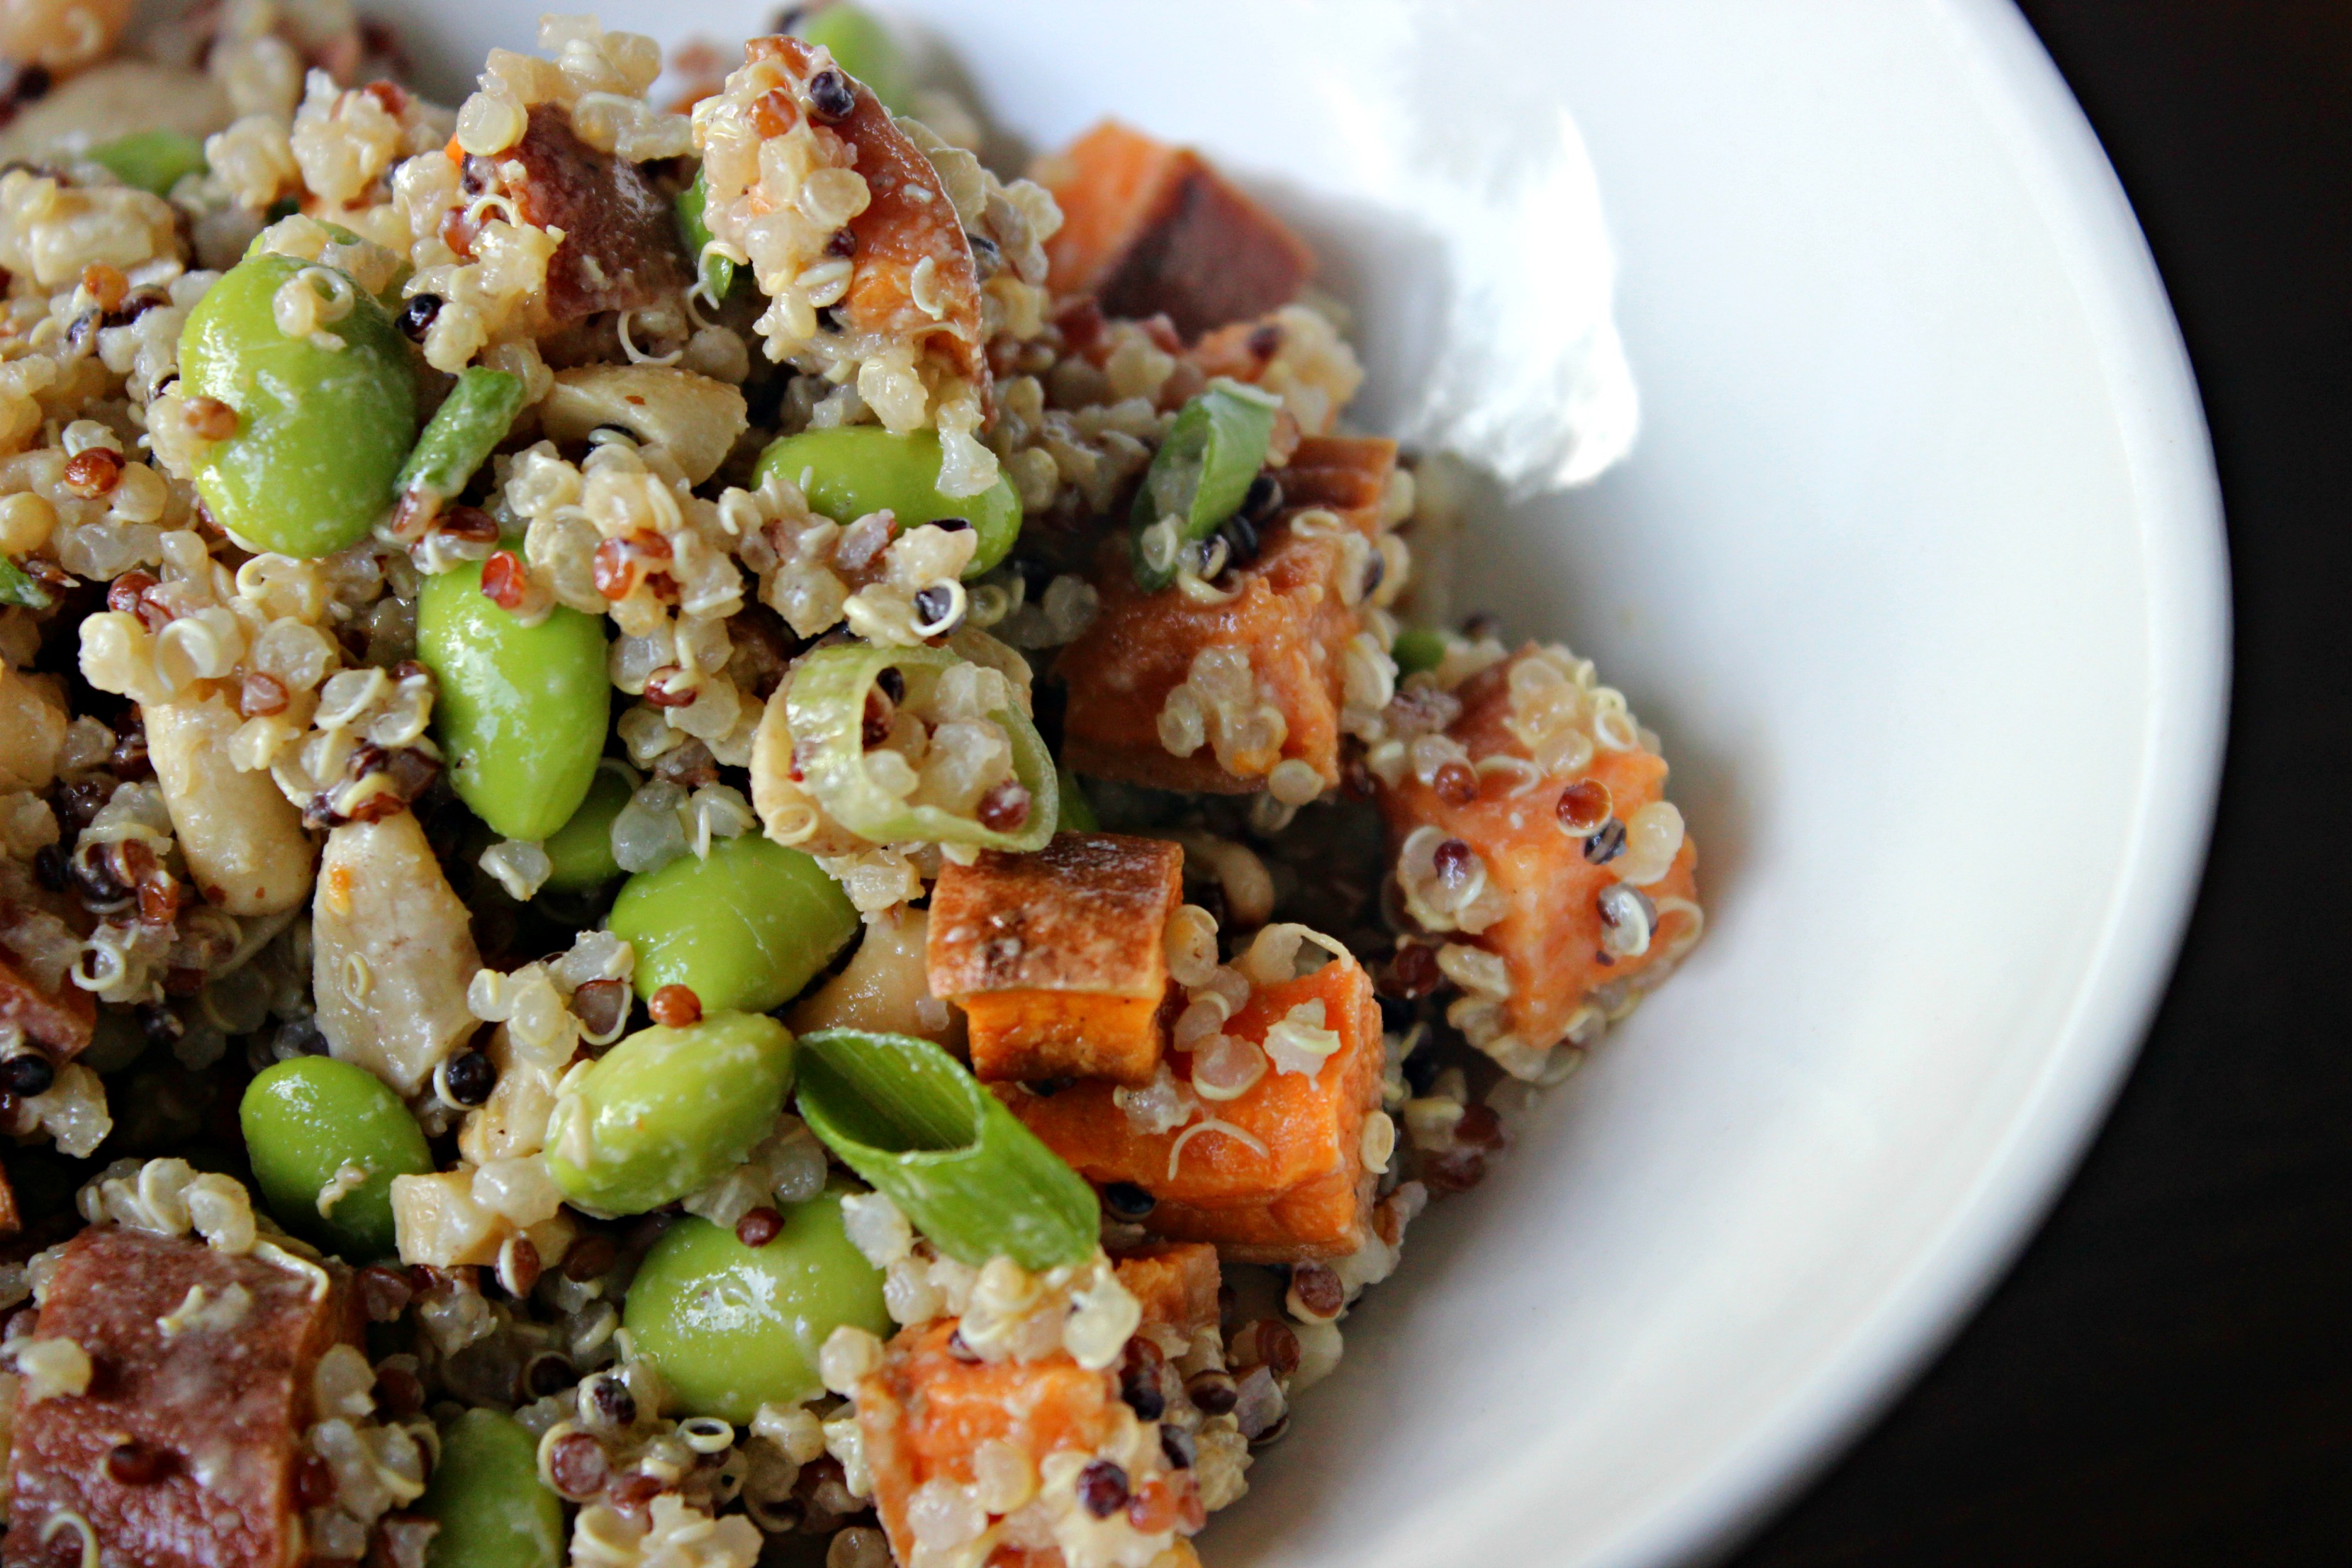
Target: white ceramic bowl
point(1917, 565)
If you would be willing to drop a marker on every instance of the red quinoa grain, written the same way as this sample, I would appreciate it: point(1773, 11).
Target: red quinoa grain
point(94, 473)
point(674, 1006)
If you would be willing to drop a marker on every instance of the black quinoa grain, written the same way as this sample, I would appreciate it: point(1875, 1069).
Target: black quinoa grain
point(1102, 1488)
point(831, 94)
point(612, 1401)
point(26, 1075)
point(1127, 1201)
point(417, 316)
point(1212, 1393)
point(933, 604)
point(471, 1075)
point(1178, 1444)
point(1606, 844)
point(548, 1372)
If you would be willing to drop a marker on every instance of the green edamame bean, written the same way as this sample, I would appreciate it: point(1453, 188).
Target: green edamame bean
point(745, 927)
point(487, 1496)
point(715, 273)
point(667, 1111)
point(153, 160)
point(320, 431)
point(580, 853)
point(734, 1327)
point(305, 1121)
point(853, 469)
point(1418, 648)
point(522, 709)
point(862, 47)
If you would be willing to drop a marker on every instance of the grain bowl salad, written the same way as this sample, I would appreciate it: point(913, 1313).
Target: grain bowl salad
point(728, 840)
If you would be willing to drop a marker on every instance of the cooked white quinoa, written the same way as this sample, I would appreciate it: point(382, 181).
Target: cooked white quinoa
point(240, 832)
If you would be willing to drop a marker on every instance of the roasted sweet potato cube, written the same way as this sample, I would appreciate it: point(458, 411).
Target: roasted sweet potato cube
point(1151, 229)
point(1550, 877)
point(11, 1219)
point(903, 227)
point(1278, 1176)
point(62, 1020)
point(930, 1409)
point(1292, 614)
point(620, 248)
point(1176, 1281)
point(1058, 959)
point(217, 1402)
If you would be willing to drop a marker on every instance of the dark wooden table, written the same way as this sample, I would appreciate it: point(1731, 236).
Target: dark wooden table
point(2167, 1376)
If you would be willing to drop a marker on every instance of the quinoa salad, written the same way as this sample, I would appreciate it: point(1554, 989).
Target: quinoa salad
point(732, 830)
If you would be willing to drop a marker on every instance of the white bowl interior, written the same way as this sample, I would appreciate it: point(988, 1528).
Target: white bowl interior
point(1915, 566)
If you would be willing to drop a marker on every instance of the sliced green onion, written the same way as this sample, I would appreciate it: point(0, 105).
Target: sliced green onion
point(1418, 648)
point(825, 709)
point(715, 273)
point(1198, 476)
point(17, 587)
point(471, 421)
point(901, 1113)
point(1077, 813)
point(154, 161)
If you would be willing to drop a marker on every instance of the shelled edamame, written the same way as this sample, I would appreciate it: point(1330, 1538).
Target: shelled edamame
point(746, 926)
point(324, 419)
point(487, 1496)
point(855, 469)
point(326, 1138)
point(667, 1111)
point(734, 1327)
point(580, 853)
point(523, 708)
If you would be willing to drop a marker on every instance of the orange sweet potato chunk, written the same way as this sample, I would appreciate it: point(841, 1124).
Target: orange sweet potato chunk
point(62, 1021)
point(1151, 229)
point(1294, 1187)
point(1551, 938)
point(906, 222)
point(1176, 1281)
point(1058, 958)
point(620, 248)
point(1288, 613)
point(225, 1405)
point(928, 1410)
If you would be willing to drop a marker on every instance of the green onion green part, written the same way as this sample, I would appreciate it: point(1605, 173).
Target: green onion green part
point(1077, 813)
point(1198, 476)
point(154, 161)
point(825, 707)
point(714, 274)
point(17, 587)
point(905, 1115)
point(1418, 648)
point(470, 423)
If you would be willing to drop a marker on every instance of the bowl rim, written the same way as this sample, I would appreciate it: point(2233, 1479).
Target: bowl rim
point(2161, 421)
